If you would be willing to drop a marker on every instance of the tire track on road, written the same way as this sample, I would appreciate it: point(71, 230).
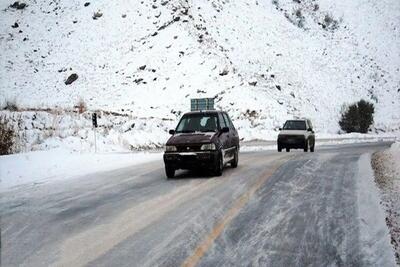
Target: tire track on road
point(96, 241)
point(208, 241)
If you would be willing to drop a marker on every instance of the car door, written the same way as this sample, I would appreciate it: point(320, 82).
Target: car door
point(230, 151)
point(223, 138)
point(234, 136)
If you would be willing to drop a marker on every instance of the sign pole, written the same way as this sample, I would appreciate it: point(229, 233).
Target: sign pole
point(94, 122)
point(95, 145)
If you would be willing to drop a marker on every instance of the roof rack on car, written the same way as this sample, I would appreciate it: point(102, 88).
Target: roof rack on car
point(201, 104)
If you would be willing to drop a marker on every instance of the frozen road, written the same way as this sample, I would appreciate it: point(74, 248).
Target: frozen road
point(275, 209)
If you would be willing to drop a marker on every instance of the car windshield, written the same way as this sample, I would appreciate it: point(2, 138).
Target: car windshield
point(295, 125)
point(197, 123)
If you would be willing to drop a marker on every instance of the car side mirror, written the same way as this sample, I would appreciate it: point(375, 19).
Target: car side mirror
point(309, 129)
point(224, 130)
point(172, 132)
point(280, 129)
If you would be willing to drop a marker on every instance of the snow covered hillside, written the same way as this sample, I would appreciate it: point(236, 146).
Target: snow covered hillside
point(140, 62)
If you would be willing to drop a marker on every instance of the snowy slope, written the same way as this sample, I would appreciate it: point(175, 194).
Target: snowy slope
point(264, 61)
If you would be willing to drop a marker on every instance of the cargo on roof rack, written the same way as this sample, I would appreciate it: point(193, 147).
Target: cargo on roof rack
point(197, 104)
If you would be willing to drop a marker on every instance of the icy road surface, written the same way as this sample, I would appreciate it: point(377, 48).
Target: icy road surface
point(275, 209)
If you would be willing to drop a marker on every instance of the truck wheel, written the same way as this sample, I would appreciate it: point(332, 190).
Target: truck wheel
point(306, 146)
point(219, 166)
point(169, 171)
point(287, 149)
point(235, 160)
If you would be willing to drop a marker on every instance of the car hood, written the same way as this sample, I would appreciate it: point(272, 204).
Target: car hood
point(190, 138)
point(292, 132)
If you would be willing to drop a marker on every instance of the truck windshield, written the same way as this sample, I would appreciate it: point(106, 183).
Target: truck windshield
point(197, 123)
point(294, 125)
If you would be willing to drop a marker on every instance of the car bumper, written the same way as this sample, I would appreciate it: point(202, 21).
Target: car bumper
point(191, 160)
point(292, 142)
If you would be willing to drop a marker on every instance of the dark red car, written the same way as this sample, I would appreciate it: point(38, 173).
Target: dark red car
point(202, 140)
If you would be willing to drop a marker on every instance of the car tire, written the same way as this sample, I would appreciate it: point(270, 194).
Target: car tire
point(287, 149)
point(169, 171)
point(279, 148)
point(235, 160)
point(306, 146)
point(219, 166)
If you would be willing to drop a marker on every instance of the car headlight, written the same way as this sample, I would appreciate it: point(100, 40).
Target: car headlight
point(208, 147)
point(170, 148)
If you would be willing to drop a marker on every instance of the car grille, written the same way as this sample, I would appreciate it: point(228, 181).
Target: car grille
point(188, 148)
point(292, 137)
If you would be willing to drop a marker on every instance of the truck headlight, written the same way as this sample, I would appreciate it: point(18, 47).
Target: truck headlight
point(170, 148)
point(208, 147)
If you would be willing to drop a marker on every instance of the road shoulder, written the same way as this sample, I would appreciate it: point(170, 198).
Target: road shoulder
point(387, 177)
point(374, 234)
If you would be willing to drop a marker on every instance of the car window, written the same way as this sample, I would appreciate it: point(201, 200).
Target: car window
point(197, 123)
point(294, 125)
point(228, 122)
point(222, 122)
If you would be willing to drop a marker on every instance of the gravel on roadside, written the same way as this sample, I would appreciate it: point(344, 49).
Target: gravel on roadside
point(387, 176)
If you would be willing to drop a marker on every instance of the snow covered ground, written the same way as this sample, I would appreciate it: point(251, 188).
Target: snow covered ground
point(139, 63)
point(47, 166)
point(387, 175)
point(374, 235)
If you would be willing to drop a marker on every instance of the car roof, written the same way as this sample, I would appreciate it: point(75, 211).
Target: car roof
point(298, 120)
point(204, 111)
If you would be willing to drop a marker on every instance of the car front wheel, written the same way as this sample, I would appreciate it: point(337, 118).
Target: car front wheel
point(219, 166)
point(306, 145)
point(235, 160)
point(312, 148)
point(279, 147)
point(169, 171)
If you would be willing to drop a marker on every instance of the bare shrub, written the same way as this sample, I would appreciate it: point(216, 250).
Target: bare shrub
point(11, 105)
point(328, 20)
point(329, 23)
point(298, 13)
point(7, 137)
point(81, 106)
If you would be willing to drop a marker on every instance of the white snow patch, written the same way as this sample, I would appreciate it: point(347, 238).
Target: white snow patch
point(374, 234)
point(395, 153)
point(57, 164)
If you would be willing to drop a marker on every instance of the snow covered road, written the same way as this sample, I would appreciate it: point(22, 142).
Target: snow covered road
point(275, 209)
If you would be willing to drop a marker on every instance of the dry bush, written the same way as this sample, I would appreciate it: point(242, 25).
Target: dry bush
point(7, 137)
point(11, 105)
point(81, 106)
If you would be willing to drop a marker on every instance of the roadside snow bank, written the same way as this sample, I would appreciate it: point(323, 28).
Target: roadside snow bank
point(395, 154)
point(44, 166)
point(333, 140)
point(387, 176)
point(374, 233)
